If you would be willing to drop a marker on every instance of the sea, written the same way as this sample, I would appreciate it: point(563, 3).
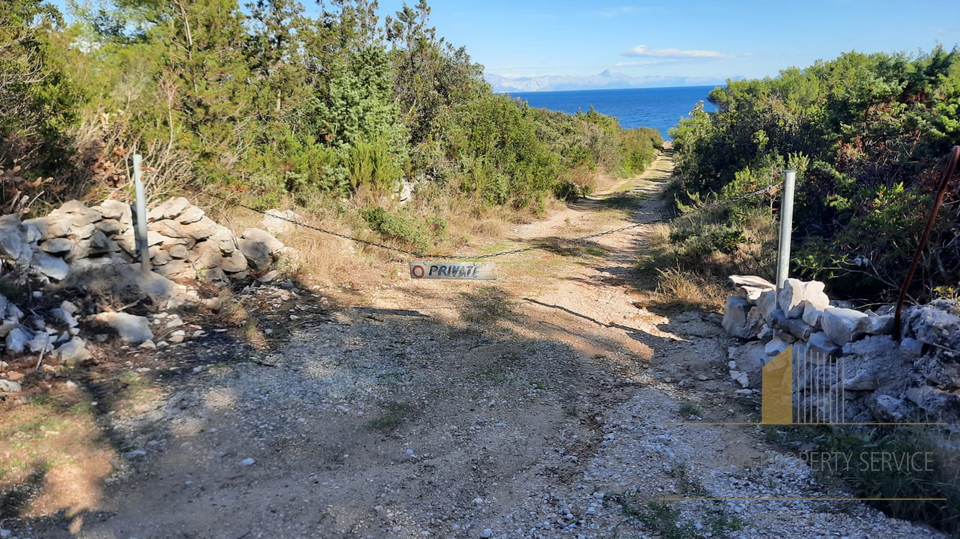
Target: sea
point(660, 108)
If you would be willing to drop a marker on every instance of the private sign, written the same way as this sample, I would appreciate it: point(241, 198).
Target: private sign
point(452, 270)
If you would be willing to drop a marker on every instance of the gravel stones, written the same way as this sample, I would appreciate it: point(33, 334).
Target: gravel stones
point(924, 362)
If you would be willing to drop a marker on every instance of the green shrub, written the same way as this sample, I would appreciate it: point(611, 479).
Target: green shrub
point(414, 231)
point(371, 165)
point(865, 134)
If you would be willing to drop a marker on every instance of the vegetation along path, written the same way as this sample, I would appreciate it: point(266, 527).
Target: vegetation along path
point(530, 406)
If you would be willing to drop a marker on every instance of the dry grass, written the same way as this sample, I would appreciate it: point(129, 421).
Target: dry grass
point(324, 259)
point(659, 237)
point(601, 183)
point(232, 312)
point(687, 289)
point(701, 252)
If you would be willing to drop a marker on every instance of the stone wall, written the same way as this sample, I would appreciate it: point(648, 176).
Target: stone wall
point(91, 251)
point(917, 377)
point(183, 242)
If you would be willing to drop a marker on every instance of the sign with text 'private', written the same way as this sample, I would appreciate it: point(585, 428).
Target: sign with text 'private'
point(452, 270)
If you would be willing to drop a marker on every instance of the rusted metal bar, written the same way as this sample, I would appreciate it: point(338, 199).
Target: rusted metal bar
point(944, 180)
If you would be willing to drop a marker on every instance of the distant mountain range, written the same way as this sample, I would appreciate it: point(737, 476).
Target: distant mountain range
point(607, 80)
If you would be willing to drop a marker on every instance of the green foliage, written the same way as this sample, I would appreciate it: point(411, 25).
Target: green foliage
point(371, 165)
point(276, 105)
point(624, 152)
point(687, 409)
point(430, 75)
point(865, 133)
point(495, 139)
point(414, 231)
point(38, 101)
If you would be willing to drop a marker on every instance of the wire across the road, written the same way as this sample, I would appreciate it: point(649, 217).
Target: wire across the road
point(580, 239)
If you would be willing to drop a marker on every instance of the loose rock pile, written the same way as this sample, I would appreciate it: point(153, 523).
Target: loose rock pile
point(882, 380)
point(91, 250)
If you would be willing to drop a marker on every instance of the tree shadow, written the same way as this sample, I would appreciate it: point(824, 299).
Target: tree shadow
point(15, 499)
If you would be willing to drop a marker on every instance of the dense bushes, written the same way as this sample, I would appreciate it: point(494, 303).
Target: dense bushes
point(865, 134)
point(38, 103)
point(272, 105)
point(411, 230)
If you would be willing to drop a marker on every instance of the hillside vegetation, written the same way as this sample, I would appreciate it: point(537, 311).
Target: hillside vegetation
point(265, 102)
point(866, 134)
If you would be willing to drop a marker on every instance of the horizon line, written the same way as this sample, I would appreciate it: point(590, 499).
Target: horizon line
point(609, 89)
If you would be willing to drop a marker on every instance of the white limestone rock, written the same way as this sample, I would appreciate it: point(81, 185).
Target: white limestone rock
point(255, 234)
point(278, 221)
point(821, 344)
point(17, 340)
point(737, 320)
point(73, 351)
point(767, 303)
point(132, 329)
point(51, 266)
point(775, 346)
point(791, 298)
point(812, 315)
point(861, 381)
point(843, 325)
point(879, 325)
point(751, 286)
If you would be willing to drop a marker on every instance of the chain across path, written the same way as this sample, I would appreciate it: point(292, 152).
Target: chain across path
point(581, 239)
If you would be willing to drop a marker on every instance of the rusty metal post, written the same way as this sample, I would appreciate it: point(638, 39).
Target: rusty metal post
point(944, 180)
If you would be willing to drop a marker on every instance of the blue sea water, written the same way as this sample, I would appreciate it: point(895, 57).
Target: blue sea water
point(660, 108)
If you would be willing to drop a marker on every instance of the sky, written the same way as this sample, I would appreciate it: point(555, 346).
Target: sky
point(703, 40)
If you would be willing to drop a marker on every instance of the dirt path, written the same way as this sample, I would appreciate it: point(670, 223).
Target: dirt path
point(526, 407)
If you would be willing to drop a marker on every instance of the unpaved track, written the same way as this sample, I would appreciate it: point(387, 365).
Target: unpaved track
point(529, 407)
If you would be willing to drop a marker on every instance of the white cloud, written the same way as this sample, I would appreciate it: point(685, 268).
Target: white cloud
point(645, 51)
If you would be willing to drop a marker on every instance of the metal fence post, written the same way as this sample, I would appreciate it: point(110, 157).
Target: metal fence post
point(142, 246)
point(786, 227)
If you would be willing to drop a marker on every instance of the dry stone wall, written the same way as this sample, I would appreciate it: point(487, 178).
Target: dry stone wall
point(882, 379)
point(93, 250)
point(183, 242)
